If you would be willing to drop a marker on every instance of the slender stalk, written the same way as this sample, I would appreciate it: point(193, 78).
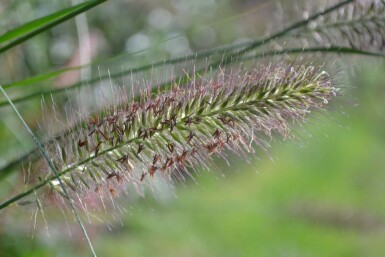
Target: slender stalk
point(53, 169)
point(332, 49)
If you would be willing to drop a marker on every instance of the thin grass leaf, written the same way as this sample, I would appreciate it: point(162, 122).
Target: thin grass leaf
point(35, 27)
point(340, 50)
point(41, 77)
point(195, 56)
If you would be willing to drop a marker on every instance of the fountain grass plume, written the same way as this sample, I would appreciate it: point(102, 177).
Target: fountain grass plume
point(169, 135)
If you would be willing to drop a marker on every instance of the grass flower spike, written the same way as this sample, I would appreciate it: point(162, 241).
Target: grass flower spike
point(167, 136)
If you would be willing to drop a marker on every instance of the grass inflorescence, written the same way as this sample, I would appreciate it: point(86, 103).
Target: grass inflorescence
point(166, 136)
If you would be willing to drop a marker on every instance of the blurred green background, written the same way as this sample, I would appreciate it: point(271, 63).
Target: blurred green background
point(322, 196)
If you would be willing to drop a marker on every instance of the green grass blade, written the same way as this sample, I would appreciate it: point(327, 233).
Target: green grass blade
point(41, 77)
point(331, 50)
point(199, 55)
point(30, 29)
point(52, 167)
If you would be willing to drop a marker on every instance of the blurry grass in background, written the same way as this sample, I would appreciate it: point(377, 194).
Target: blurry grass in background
point(322, 199)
